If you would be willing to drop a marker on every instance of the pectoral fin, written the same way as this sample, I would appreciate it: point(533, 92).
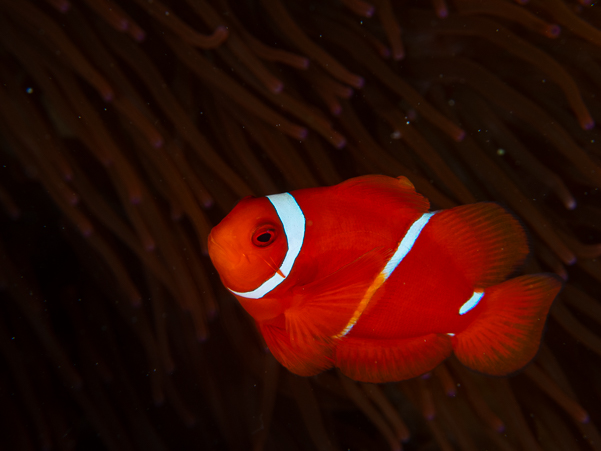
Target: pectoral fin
point(322, 309)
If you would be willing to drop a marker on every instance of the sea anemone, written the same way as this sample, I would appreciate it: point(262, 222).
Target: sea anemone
point(128, 129)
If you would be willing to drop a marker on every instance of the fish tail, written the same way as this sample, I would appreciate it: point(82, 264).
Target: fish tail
point(507, 334)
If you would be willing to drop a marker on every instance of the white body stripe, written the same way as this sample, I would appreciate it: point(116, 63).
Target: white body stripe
point(471, 302)
point(293, 222)
point(401, 252)
point(406, 244)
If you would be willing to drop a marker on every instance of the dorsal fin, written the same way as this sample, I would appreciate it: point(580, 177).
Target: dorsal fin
point(388, 192)
point(484, 240)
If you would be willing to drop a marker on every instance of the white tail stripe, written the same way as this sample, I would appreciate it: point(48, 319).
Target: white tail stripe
point(293, 222)
point(471, 302)
point(401, 252)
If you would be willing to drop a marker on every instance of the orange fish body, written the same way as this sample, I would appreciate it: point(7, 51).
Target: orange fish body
point(361, 276)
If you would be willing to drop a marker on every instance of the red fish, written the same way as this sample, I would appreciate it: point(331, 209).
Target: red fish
point(361, 276)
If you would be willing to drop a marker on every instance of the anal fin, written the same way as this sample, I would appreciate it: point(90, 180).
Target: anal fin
point(379, 361)
point(507, 334)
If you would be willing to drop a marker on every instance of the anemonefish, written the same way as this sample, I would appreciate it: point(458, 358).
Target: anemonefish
point(363, 277)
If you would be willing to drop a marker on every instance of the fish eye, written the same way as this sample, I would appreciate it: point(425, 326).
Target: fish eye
point(264, 236)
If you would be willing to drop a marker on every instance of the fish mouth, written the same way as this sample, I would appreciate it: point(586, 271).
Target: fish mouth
point(215, 248)
point(212, 241)
point(223, 257)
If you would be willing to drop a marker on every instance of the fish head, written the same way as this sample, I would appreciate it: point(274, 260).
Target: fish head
point(248, 246)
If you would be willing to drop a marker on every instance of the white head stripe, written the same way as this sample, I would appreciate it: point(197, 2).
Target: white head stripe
point(293, 221)
point(406, 243)
point(471, 302)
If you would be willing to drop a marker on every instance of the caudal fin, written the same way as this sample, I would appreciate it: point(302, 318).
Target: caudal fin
point(506, 336)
